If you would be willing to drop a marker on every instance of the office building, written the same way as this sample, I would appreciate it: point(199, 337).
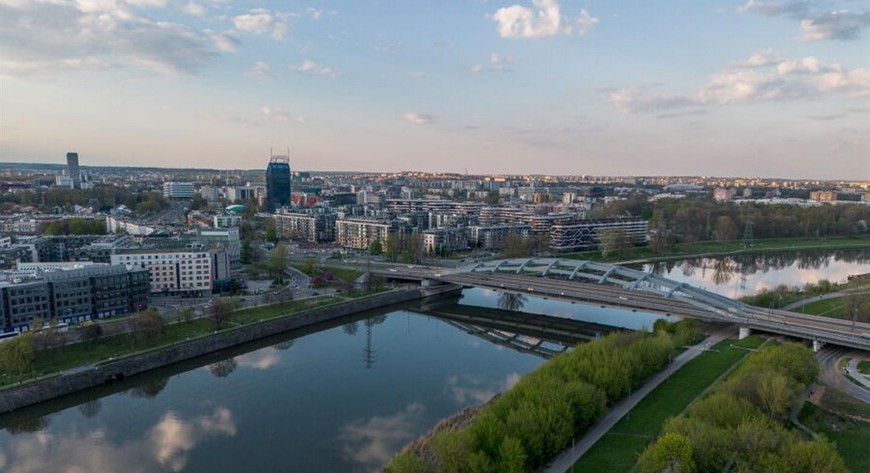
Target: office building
point(72, 296)
point(72, 170)
point(178, 190)
point(278, 183)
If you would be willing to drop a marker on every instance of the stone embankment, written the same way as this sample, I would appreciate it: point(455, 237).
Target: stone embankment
point(79, 379)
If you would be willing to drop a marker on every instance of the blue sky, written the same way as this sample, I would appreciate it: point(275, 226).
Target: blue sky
point(727, 88)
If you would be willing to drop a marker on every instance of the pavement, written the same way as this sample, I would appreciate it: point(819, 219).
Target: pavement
point(569, 456)
point(834, 377)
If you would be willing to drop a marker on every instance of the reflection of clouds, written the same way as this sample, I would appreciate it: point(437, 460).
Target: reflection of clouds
point(260, 359)
point(165, 445)
point(475, 389)
point(173, 438)
point(372, 442)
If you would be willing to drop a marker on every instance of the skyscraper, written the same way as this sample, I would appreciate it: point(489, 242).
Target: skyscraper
point(72, 169)
point(277, 182)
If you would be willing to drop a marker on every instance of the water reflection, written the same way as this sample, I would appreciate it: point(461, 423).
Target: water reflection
point(370, 442)
point(91, 408)
point(164, 446)
point(223, 368)
point(749, 273)
point(149, 389)
point(512, 301)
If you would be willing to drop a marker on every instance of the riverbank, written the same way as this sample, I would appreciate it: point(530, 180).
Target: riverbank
point(85, 377)
point(709, 249)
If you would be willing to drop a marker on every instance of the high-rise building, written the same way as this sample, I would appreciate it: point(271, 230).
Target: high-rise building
point(278, 182)
point(72, 169)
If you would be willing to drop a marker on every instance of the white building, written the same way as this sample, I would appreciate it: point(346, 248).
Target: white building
point(178, 190)
point(172, 271)
point(227, 220)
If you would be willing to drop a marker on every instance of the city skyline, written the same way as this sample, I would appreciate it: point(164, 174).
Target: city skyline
point(773, 89)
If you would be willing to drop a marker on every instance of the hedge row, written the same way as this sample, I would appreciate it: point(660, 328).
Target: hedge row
point(529, 424)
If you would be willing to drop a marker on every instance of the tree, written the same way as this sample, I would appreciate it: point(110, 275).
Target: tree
point(610, 240)
point(17, 355)
point(725, 229)
point(147, 326)
point(671, 453)
point(278, 262)
point(220, 313)
point(376, 248)
point(392, 248)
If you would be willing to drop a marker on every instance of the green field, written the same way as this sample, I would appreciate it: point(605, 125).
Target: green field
point(864, 367)
point(828, 307)
point(617, 451)
point(716, 248)
point(104, 349)
point(851, 437)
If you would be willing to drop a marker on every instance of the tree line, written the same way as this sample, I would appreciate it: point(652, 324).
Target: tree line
point(693, 219)
point(741, 426)
point(525, 427)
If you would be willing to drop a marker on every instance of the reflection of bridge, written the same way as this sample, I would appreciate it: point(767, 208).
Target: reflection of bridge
point(528, 333)
point(608, 284)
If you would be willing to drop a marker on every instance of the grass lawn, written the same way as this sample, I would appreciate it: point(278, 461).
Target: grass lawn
point(864, 367)
point(617, 451)
point(852, 437)
point(829, 308)
point(80, 354)
point(710, 248)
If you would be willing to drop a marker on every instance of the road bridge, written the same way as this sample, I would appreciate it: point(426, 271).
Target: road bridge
point(607, 284)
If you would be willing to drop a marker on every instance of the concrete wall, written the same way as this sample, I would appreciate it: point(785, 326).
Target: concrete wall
point(84, 378)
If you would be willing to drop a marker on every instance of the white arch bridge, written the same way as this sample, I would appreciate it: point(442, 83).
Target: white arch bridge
point(607, 284)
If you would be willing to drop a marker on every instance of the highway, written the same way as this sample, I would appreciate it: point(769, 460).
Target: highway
point(811, 327)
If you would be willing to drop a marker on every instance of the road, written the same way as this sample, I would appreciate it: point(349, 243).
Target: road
point(833, 376)
point(563, 462)
point(793, 324)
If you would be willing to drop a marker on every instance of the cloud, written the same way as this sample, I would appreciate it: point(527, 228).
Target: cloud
point(311, 67)
point(815, 24)
point(418, 118)
point(372, 442)
point(416, 75)
point(163, 447)
point(544, 19)
point(194, 9)
point(763, 77)
point(318, 13)
point(497, 63)
point(261, 70)
point(47, 36)
point(260, 21)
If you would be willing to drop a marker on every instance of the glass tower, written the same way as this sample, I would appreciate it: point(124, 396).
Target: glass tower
point(72, 168)
point(277, 183)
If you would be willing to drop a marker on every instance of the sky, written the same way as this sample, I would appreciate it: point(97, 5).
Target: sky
point(566, 87)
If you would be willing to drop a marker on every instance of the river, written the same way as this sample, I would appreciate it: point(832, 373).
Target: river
point(343, 399)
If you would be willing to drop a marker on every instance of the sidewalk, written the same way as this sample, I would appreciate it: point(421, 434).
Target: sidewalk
point(567, 458)
point(852, 370)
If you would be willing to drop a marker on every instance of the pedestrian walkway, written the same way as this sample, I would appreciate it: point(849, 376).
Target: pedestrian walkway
point(852, 370)
point(569, 456)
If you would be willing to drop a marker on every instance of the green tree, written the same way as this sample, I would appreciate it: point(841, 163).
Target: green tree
point(512, 456)
point(671, 453)
point(392, 248)
point(376, 248)
point(278, 262)
point(17, 355)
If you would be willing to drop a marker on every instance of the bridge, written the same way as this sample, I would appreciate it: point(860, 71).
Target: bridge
point(613, 285)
